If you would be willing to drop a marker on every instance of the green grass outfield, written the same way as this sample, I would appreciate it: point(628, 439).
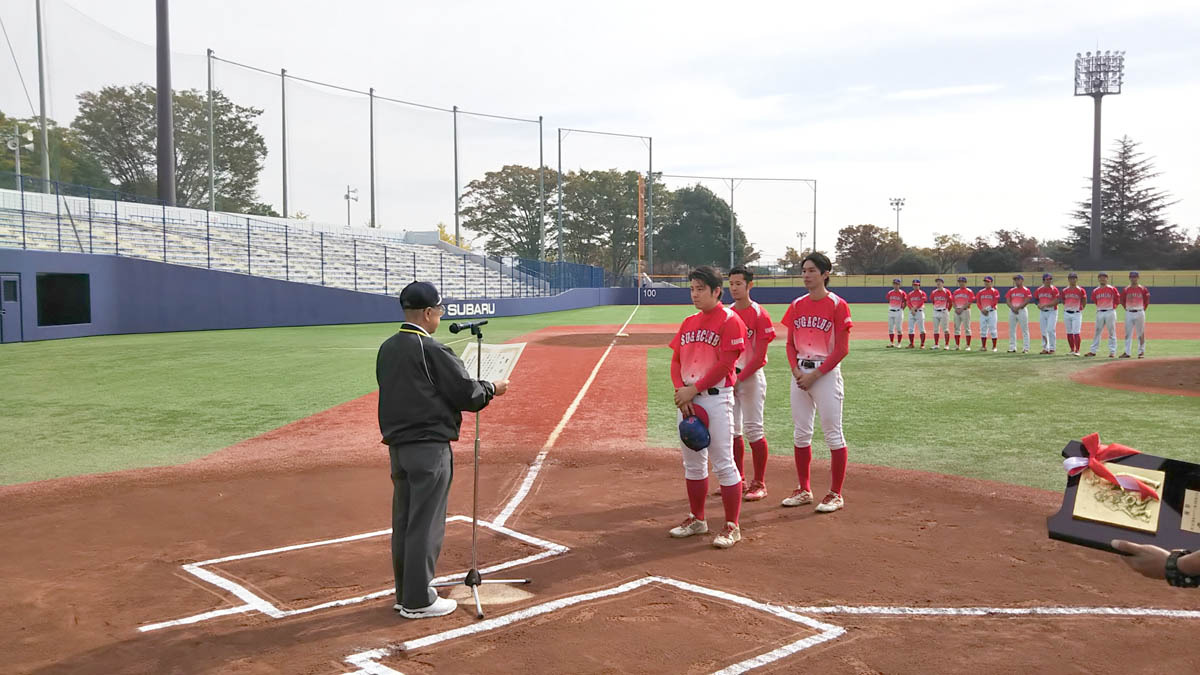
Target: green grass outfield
point(98, 404)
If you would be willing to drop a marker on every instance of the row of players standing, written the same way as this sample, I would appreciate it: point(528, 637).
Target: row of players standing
point(717, 370)
point(910, 305)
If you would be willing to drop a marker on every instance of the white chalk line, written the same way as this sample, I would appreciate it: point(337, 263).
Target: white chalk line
point(1000, 611)
point(536, 467)
point(825, 631)
point(257, 603)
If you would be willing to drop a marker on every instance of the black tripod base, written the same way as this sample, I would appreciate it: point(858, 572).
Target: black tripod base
point(473, 580)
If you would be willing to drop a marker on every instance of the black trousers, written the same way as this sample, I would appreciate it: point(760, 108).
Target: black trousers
point(421, 474)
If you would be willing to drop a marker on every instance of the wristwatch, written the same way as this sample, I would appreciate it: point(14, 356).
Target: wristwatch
point(1174, 576)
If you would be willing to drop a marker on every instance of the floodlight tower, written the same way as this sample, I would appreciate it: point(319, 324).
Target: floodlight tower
point(14, 143)
point(1095, 76)
point(897, 204)
point(351, 195)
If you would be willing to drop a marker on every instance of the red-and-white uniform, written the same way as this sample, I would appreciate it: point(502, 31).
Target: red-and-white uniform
point(897, 302)
point(1106, 298)
point(1018, 298)
point(988, 300)
point(916, 310)
point(962, 298)
point(706, 350)
point(1135, 300)
point(1074, 299)
point(818, 334)
point(750, 390)
point(1047, 298)
point(941, 298)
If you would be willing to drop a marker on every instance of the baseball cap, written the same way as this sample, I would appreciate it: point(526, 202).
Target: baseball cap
point(895, 281)
point(962, 278)
point(1101, 274)
point(420, 295)
point(1018, 276)
point(916, 282)
point(693, 429)
point(1072, 275)
point(1134, 273)
point(940, 279)
point(988, 278)
point(1046, 276)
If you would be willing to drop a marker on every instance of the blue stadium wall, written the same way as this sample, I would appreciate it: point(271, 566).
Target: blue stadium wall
point(128, 295)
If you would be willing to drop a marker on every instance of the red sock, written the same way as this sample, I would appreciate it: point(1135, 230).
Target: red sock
point(923, 338)
point(910, 339)
point(958, 340)
point(759, 450)
point(803, 464)
point(936, 336)
point(891, 338)
point(947, 339)
point(968, 340)
point(739, 456)
point(837, 464)
point(993, 343)
point(731, 497)
point(697, 490)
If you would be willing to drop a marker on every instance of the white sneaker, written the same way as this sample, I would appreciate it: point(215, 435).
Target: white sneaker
point(440, 607)
point(993, 349)
point(729, 536)
point(832, 502)
point(935, 348)
point(956, 348)
point(968, 348)
point(690, 525)
point(1010, 350)
point(799, 497)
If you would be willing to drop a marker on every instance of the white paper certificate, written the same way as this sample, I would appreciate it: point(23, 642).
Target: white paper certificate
point(498, 360)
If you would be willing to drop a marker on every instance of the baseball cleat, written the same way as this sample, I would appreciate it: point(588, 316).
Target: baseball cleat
point(1010, 351)
point(691, 525)
point(1113, 355)
point(1043, 352)
point(935, 348)
point(832, 502)
point(968, 348)
point(1090, 354)
point(1141, 356)
point(1074, 353)
point(730, 535)
point(993, 350)
point(799, 497)
point(1024, 351)
point(756, 492)
point(440, 607)
point(1124, 356)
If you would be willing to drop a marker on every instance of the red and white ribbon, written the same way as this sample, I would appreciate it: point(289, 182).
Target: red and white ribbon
point(1097, 455)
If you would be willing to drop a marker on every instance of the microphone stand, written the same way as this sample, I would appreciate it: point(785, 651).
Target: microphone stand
point(473, 578)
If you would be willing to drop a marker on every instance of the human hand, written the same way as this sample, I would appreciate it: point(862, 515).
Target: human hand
point(1149, 561)
point(797, 373)
point(684, 396)
point(501, 387)
point(806, 380)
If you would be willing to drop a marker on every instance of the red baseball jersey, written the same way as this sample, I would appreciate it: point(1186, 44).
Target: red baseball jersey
point(988, 298)
point(916, 298)
point(1136, 297)
point(897, 299)
point(1074, 298)
point(1047, 296)
point(940, 297)
point(1106, 297)
point(1018, 296)
point(701, 339)
point(760, 330)
point(963, 297)
point(813, 325)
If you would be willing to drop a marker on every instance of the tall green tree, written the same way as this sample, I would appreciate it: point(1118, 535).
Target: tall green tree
point(867, 249)
point(600, 221)
point(695, 230)
point(503, 207)
point(1132, 212)
point(949, 251)
point(119, 125)
point(71, 161)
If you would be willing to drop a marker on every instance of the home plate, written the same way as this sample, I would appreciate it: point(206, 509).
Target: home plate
point(490, 594)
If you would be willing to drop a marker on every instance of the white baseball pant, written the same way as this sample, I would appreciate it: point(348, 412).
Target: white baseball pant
point(987, 324)
point(1048, 323)
point(941, 321)
point(824, 397)
point(749, 400)
point(1135, 321)
point(1018, 320)
point(1073, 320)
point(1106, 322)
point(719, 407)
point(916, 317)
point(962, 322)
point(895, 319)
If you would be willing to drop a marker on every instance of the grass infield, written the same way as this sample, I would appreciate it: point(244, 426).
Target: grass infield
point(99, 404)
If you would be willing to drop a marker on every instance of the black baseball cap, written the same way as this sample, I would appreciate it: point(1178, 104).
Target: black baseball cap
point(420, 295)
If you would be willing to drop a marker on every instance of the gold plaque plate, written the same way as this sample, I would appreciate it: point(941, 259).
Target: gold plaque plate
point(1101, 501)
point(1191, 511)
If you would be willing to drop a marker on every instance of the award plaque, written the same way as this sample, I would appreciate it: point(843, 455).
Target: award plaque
point(1095, 511)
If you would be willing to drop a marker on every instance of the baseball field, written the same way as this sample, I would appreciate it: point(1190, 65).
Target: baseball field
point(218, 502)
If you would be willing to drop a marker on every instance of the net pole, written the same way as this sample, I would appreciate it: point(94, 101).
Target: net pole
point(283, 125)
point(212, 176)
point(641, 227)
point(371, 97)
point(541, 194)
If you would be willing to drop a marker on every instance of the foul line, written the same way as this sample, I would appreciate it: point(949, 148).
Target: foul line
point(536, 467)
point(1000, 611)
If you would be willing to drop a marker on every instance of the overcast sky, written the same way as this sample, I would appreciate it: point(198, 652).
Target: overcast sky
point(963, 108)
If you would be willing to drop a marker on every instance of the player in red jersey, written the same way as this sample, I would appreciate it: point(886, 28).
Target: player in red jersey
point(750, 392)
point(963, 298)
point(706, 350)
point(1105, 298)
point(1074, 298)
point(940, 299)
point(1018, 298)
point(1047, 297)
point(818, 337)
point(897, 301)
point(916, 312)
point(988, 299)
point(1135, 300)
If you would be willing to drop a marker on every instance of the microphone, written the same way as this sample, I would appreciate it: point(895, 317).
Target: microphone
point(466, 325)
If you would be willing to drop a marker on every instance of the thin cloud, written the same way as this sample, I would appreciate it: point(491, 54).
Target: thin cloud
point(943, 92)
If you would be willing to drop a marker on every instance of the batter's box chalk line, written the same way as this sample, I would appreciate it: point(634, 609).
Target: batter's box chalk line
point(256, 603)
point(368, 661)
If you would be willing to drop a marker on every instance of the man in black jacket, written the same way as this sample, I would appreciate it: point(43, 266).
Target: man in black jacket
point(423, 389)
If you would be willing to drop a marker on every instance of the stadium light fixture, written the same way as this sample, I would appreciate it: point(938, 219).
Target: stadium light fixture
point(1098, 75)
point(14, 144)
point(897, 204)
point(351, 195)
